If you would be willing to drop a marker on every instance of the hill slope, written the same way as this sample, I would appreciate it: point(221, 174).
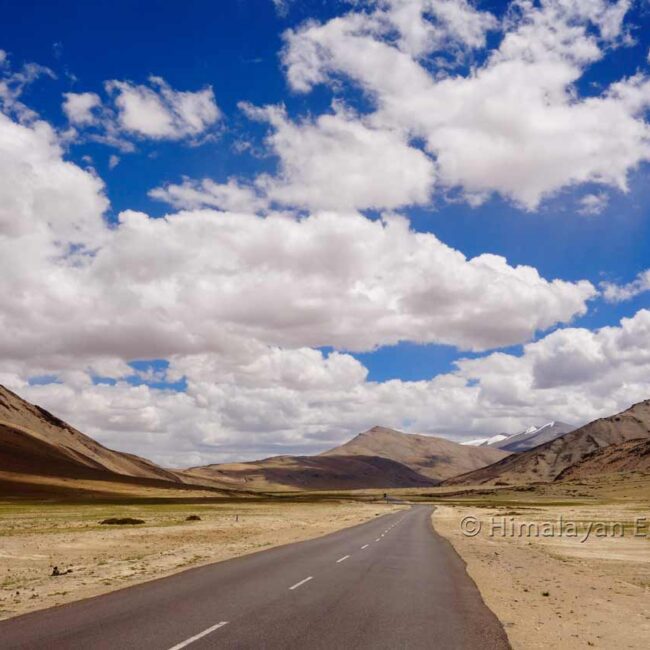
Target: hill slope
point(33, 441)
point(378, 458)
point(435, 458)
point(628, 456)
point(547, 461)
point(313, 473)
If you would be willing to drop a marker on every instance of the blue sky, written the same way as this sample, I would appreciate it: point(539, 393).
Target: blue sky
point(240, 50)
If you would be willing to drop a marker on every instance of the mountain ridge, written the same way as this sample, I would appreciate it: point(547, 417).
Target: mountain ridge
point(405, 459)
point(546, 462)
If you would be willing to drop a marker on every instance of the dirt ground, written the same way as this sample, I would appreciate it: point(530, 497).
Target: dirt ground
point(553, 590)
point(36, 538)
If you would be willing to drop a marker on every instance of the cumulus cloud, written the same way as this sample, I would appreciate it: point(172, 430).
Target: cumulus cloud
point(231, 196)
point(158, 111)
point(198, 280)
point(426, 26)
point(332, 278)
point(619, 293)
point(79, 107)
point(514, 124)
point(237, 302)
point(337, 162)
point(132, 111)
point(44, 201)
point(270, 400)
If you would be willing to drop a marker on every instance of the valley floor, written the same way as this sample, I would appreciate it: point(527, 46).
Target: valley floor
point(36, 537)
point(550, 589)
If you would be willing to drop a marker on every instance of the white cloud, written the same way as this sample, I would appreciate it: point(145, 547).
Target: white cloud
point(426, 26)
point(79, 107)
point(337, 162)
point(43, 199)
point(236, 301)
point(158, 111)
point(201, 280)
point(513, 125)
point(619, 293)
point(113, 161)
point(14, 82)
point(268, 400)
point(230, 196)
point(592, 204)
point(133, 112)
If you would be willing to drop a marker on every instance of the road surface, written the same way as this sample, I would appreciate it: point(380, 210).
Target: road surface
point(391, 583)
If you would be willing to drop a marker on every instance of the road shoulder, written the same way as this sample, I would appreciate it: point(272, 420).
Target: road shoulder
point(556, 593)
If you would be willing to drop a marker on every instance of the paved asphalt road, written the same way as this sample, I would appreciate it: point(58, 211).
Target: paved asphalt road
point(391, 583)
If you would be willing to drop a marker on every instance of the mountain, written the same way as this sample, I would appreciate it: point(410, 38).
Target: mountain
point(524, 440)
point(35, 442)
point(378, 458)
point(313, 473)
point(629, 456)
point(435, 458)
point(487, 442)
point(534, 436)
point(549, 460)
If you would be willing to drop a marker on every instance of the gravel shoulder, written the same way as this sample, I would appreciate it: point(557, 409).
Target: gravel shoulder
point(558, 591)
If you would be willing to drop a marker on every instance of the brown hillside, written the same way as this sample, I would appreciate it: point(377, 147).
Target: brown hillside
point(314, 473)
point(628, 456)
point(378, 458)
point(435, 458)
point(33, 441)
point(546, 462)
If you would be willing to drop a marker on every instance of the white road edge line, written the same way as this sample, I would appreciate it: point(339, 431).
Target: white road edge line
point(377, 539)
point(302, 582)
point(365, 546)
point(341, 559)
point(198, 636)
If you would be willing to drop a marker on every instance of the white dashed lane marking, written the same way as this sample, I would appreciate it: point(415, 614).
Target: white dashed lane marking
point(198, 636)
point(302, 582)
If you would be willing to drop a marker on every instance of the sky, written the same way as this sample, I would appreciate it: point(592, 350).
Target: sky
point(255, 227)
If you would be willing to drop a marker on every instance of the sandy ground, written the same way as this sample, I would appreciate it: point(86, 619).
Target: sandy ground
point(558, 591)
point(35, 538)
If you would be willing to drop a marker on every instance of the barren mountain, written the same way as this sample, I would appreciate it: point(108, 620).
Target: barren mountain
point(628, 456)
point(378, 458)
point(435, 458)
point(546, 462)
point(33, 441)
point(313, 473)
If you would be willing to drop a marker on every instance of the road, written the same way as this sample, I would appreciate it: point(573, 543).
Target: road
point(391, 583)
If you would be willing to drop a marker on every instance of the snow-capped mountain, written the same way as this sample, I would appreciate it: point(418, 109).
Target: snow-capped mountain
point(487, 442)
point(523, 440)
